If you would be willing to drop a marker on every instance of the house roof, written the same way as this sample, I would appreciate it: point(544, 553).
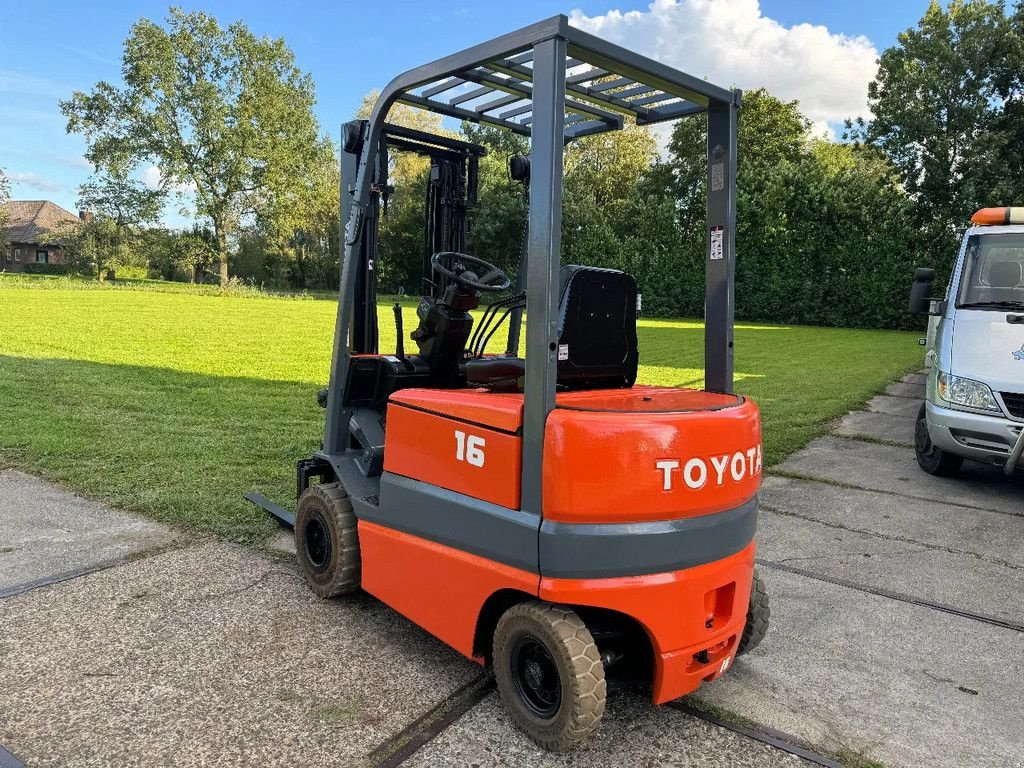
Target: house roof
point(29, 221)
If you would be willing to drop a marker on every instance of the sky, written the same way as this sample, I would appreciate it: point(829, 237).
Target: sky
point(821, 52)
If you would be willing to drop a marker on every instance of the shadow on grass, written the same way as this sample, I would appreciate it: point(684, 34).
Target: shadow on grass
point(183, 447)
point(179, 447)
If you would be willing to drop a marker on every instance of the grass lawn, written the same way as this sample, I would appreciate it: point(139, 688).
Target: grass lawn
point(175, 403)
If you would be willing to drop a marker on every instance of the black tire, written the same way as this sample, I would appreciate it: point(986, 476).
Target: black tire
point(549, 674)
point(327, 540)
point(930, 457)
point(758, 613)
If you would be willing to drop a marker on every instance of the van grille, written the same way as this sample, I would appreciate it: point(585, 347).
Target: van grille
point(1014, 403)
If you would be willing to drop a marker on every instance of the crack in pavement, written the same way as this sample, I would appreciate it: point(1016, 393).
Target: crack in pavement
point(901, 539)
point(76, 573)
point(791, 475)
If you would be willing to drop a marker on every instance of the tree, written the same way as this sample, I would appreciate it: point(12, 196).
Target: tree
point(119, 205)
point(220, 112)
point(938, 102)
point(178, 255)
point(299, 226)
point(116, 195)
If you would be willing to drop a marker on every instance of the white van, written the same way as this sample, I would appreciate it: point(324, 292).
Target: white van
point(974, 406)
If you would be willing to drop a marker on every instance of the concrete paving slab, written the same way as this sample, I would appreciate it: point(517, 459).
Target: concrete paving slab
point(989, 536)
point(46, 531)
point(893, 469)
point(877, 426)
point(901, 684)
point(896, 406)
point(906, 389)
point(208, 655)
point(633, 733)
point(955, 579)
point(915, 378)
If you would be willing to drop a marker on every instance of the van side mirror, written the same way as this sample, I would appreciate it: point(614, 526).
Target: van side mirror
point(921, 291)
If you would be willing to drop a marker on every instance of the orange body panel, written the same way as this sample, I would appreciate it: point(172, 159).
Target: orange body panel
point(440, 588)
point(611, 456)
point(673, 608)
point(499, 410)
point(424, 446)
point(604, 466)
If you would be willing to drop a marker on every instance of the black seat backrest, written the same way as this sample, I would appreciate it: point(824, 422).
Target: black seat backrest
point(597, 344)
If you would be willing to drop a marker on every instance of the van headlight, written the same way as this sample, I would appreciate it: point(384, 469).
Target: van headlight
point(965, 392)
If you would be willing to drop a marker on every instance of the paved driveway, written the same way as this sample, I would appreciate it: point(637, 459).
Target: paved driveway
point(896, 637)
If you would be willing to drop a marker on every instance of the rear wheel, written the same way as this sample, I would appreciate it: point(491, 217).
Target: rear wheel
point(327, 540)
point(758, 613)
point(549, 674)
point(930, 457)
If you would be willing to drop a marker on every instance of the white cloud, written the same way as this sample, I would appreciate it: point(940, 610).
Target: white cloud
point(731, 43)
point(35, 181)
point(153, 177)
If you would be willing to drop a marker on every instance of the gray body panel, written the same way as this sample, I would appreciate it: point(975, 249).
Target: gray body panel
point(559, 550)
point(498, 533)
point(596, 550)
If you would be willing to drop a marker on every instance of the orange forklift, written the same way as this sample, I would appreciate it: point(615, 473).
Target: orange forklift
point(541, 514)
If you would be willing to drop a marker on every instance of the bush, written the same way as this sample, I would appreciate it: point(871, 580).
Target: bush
point(37, 268)
point(130, 272)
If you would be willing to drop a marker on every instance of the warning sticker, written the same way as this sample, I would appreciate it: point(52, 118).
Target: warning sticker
point(563, 351)
point(717, 234)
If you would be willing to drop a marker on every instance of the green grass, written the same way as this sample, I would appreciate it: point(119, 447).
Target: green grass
point(175, 403)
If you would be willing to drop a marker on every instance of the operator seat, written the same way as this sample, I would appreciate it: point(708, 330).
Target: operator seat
point(597, 344)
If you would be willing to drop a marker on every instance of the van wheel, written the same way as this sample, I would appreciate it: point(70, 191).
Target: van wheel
point(327, 540)
point(549, 674)
point(930, 457)
point(758, 613)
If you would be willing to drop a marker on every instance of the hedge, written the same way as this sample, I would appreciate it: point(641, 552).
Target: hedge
point(40, 268)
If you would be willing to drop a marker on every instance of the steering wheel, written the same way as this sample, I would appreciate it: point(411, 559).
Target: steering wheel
point(470, 272)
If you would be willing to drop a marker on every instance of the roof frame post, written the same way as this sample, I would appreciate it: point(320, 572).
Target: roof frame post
point(720, 253)
point(543, 261)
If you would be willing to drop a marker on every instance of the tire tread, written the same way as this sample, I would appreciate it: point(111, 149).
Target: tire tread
point(758, 614)
point(345, 577)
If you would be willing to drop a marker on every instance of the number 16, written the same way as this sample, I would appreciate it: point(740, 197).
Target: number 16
point(469, 448)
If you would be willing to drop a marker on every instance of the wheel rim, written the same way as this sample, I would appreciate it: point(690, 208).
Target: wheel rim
point(316, 538)
point(535, 676)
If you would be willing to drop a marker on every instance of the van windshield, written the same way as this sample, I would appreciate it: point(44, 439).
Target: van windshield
point(993, 275)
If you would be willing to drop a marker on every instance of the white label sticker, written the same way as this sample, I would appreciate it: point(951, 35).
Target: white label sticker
point(717, 234)
point(563, 351)
point(717, 177)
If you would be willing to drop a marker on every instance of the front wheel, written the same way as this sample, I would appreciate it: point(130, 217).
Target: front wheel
point(930, 457)
point(549, 674)
point(327, 540)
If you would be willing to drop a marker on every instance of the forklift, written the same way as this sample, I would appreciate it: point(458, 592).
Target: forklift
point(541, 513)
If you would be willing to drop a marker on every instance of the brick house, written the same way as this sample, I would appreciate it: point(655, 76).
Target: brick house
point(31, 226)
